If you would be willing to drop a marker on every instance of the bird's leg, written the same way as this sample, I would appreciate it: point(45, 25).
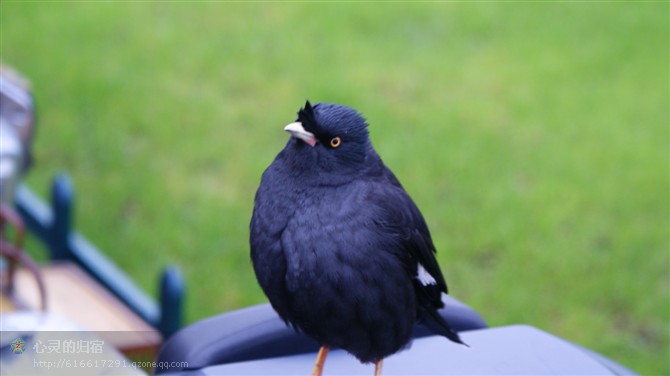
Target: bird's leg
point(320, 360)
point(378, 367)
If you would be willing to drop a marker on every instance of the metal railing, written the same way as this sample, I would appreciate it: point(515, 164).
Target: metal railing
point(53, 226)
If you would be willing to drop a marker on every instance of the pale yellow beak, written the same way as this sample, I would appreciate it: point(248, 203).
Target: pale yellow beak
point(298, 131)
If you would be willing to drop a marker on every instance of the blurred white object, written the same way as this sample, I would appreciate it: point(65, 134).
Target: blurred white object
point(17, 122)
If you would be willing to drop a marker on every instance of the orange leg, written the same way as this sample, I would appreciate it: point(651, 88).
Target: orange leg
point(320, 360)
point(378, 367)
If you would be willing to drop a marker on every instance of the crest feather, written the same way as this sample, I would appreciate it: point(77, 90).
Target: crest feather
point(306, 117)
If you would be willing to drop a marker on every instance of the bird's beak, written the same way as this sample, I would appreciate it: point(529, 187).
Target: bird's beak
point(298, 131)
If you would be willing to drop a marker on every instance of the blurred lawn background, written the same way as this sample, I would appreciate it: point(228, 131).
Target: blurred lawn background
point(533, 136)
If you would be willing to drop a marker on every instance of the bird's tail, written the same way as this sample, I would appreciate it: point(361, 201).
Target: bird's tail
point(439, 325)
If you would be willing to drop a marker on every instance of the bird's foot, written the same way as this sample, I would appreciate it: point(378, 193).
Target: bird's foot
point(320, 360)
point(378, 367)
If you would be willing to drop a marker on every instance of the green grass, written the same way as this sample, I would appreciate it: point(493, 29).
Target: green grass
point(533, 136)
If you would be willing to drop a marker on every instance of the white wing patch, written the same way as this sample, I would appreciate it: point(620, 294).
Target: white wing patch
point(424, 277)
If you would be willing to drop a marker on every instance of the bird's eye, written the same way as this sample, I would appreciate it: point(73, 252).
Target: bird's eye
point(335, 142)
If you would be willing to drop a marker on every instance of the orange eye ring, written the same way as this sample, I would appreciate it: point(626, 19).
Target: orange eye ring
point(335, 142)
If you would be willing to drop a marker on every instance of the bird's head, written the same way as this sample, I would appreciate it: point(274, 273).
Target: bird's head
point(329, 137)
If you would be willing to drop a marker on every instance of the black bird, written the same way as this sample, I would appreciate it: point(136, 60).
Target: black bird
point(338, 246)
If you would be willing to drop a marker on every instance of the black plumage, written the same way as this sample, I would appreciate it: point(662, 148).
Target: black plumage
point(338, 246)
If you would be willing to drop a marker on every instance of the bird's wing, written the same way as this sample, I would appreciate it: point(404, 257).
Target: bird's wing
point(403, 219)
